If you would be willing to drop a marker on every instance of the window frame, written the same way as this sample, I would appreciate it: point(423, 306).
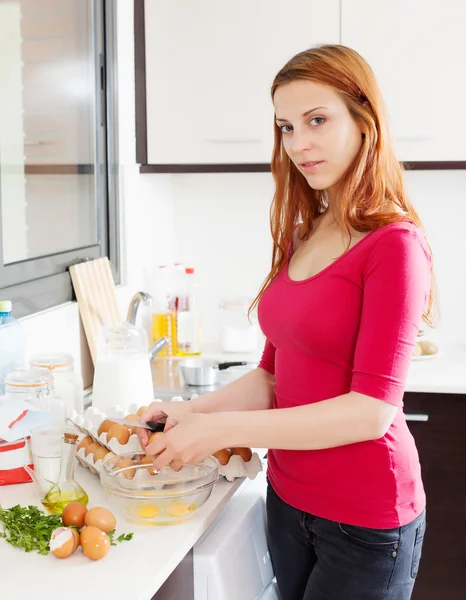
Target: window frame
point(40, 283)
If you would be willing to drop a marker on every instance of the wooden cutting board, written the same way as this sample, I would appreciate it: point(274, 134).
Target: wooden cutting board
point(96, 294)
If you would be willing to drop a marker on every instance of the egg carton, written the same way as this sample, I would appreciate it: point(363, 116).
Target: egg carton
point(237, 467)
point(91, 420)
point(88, 461)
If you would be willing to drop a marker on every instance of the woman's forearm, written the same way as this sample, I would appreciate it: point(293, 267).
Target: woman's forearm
point(253, 391)
point(346, 419)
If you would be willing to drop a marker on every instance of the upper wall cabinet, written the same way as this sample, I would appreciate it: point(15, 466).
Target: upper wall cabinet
point(417, 49)
point(209, 65)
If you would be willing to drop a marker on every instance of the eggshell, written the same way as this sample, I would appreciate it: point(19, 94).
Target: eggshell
point(245, 453)
point(101, 518)
point(154, 436)
point(92, 448)
point(123, 463)
point(94, 542)
point(63, 542)
point(141, 410)
point(73, 514)
point(223, 456)
point(105, 426)
point(100, 453)
point(132, 417)
point(148, 460)
point(85, 442)
point(120, 432)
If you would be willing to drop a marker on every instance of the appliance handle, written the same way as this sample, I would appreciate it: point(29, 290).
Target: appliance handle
point(419, 418)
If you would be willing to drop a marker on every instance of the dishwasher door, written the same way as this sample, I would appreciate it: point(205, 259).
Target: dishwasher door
point(232, 561)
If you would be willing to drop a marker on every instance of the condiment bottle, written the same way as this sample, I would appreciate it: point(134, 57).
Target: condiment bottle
point(66, 489)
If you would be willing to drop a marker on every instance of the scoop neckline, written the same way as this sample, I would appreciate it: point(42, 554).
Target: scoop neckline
point(338, 259)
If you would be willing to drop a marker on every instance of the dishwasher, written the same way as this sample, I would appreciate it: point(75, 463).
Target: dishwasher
point(232, 561)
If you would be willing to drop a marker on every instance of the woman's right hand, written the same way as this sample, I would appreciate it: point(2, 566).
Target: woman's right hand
point(169, 413)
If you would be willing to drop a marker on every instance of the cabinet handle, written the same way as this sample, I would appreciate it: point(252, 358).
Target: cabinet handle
point(419, 418)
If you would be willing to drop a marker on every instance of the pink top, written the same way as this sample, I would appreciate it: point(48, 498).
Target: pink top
point(351, 327)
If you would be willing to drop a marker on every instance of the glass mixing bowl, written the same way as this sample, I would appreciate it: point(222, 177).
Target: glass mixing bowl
point(165, 497)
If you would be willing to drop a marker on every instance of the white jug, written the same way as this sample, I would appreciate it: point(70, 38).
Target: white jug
point(122, 373)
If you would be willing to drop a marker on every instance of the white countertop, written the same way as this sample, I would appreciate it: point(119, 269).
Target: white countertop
point(132, 570)
point(445, 373)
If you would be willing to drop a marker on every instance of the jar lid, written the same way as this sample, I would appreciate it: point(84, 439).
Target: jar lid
point(51, 360)
point(28, 378)
point(5, 306)
point(240, 303)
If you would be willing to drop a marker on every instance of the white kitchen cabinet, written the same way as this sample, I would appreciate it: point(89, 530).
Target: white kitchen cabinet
point(209, 65)
point(417, 49)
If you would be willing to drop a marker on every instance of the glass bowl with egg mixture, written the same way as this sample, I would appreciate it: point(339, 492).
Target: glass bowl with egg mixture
point(164, 497)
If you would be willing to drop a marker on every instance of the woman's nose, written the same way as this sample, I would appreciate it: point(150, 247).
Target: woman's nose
point(301, 142)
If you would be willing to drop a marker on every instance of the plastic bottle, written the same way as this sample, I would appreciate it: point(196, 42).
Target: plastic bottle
point(12, 343)
point(188, 318)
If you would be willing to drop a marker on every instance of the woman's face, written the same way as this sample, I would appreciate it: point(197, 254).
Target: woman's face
point(319, 134)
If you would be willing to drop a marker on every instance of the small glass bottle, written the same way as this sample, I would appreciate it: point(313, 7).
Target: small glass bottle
point(35, 387)
point(68, 384)
point(66, 489)
point(188, 322)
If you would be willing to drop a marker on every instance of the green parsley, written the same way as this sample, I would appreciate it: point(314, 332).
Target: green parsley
point(124, 537)
point(28, 528)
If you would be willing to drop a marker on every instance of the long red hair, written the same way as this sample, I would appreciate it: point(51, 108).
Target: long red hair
point(372, 190)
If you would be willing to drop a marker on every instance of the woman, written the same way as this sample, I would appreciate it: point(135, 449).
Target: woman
point(349, 285)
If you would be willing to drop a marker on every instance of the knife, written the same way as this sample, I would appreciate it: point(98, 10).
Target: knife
point(151, 425)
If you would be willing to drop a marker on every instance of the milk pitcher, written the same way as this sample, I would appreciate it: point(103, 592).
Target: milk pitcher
point(122, 373)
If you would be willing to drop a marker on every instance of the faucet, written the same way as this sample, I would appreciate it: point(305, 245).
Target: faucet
point(146, 299)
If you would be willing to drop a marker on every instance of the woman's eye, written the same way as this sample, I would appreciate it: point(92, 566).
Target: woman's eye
point(285, 128)
point(317, 120)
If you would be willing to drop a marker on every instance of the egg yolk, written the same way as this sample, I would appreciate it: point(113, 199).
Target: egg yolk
point(147, 511)
point(179, 509)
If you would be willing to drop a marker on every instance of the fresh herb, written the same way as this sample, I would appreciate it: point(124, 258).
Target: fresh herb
point(124, 537)
point(28, 528)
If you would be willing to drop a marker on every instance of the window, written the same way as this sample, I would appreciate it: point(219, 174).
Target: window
point(58, 182)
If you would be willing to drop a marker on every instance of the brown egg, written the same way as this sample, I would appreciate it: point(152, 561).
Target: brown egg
point(100, 453)
point(63, 542)
point(92, 448)
point(245, 453)
point(119, 432)
point(154, 436)
point(428, 348)
point(223, 456)
point(105, 426)
point(94, 542)
point(101, 518)
point(132, 417)
point(141, 410)
point(85, 442)
point(123, 463)
point(148, 460)
point(417, 350)
point(73, 514)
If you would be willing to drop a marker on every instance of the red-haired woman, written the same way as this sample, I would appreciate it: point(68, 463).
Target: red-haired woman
point(349, 285)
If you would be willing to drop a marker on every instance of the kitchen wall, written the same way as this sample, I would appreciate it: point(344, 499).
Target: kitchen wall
point(219, 224)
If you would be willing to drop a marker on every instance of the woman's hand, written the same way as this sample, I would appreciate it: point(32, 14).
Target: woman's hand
point(195, 437)
point(169, 413)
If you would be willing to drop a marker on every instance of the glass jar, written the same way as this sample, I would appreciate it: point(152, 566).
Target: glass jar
point(35, 387)
point(237, 332)
point(68, 383)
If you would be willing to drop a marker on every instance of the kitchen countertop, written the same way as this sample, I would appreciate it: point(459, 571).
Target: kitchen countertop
point(132, 570)
point(444, 373)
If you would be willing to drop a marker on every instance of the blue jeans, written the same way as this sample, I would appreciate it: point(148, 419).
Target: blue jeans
point(318, 559)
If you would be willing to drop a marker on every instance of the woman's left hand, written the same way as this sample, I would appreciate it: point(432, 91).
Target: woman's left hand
point(193, 439)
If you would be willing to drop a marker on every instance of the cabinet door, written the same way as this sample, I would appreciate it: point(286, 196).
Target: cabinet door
point(209, 68)
point(417, 49)
point(441, 443)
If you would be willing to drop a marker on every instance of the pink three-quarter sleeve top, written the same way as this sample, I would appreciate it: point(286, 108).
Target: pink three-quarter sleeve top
point(351, 327)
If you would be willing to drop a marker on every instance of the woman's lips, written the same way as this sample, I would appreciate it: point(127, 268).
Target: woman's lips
point(311, 166)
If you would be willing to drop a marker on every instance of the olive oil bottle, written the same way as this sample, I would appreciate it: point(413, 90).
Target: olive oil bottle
point(66, 489)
